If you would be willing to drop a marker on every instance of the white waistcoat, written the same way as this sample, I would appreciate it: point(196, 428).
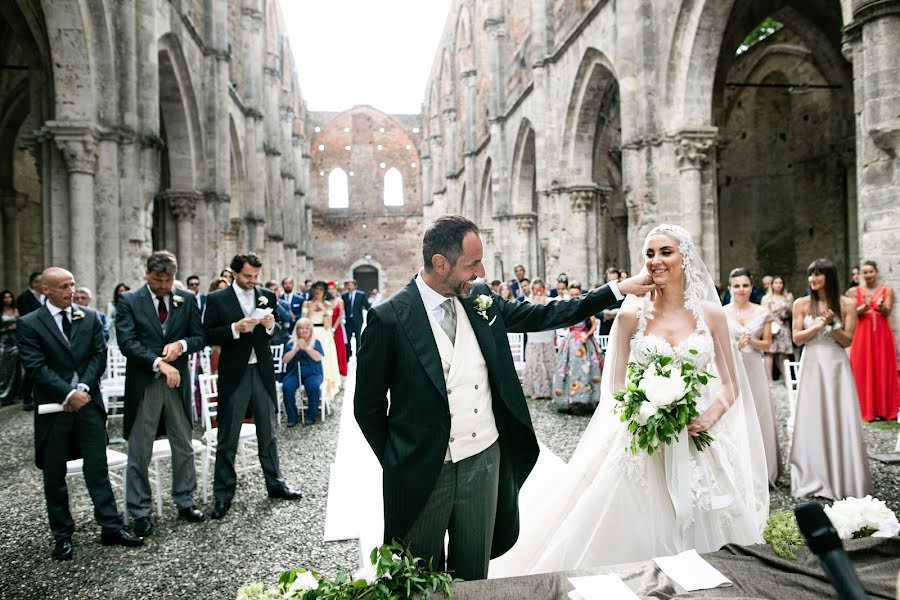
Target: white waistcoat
point(472, 426)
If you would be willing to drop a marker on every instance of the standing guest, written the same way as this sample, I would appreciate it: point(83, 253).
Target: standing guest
point(111, 312)
point(318, 309)
point(337, 325)
point(83, 297)
point(854, 277)
point(623, 275)
point(766, 284)
point(228, 274)
point(354, 303)
point(294, 301)
point(307, 283)
point(778, 302)
point(193, 286)
point(495, 286)
point(561, 291)
point(873, 356)
point(576, 378)
point(525, 288)
point(246, 378)
point(457, 442)
point(606, 318)
point(29, 301)
point(515, 283)
point(828, 454)
point(303, 359)
point(61, 345)
point(540, 355)
point(9, 355)
point(284, 314)
point(750, 326)
point(158, 328)
point(506, 292)
point(220, 283)
point(561, 285)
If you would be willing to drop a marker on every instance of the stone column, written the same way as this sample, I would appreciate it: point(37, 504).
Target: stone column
point(525, 229)
point(495, 27)
point(183, 205)
point(582, 200)
point(449, 118)
point(692, 149)
point(79, 150)
point(11, 203)
point(602, 241)
point(470, 207)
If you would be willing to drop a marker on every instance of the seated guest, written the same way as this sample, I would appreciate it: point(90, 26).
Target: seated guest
point(303, 359)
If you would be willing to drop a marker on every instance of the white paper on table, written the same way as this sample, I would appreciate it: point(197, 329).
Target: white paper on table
point(600, 587)
point(46, 409)
point(691, 572)
point(259, 313)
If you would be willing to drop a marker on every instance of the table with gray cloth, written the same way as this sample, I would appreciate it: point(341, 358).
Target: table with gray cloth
point(756, 571)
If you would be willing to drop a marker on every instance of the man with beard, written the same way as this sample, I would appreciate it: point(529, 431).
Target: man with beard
point(458, 442)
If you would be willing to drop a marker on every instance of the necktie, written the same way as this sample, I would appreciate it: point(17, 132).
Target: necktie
point(352, 295)
point(67, 324)
point(163, 311)
point(449, 322)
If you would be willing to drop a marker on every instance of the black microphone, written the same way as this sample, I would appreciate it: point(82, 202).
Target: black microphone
point(823, 540)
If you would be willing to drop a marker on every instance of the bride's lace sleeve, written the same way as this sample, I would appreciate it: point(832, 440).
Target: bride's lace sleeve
point(726, 371)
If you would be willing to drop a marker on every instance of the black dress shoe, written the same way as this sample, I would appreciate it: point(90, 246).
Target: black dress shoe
point(120, 538)
point(284, 494)
point(220, 509)
point(28, 406)
point(143, 527)
point(63, 550)
point(191, 514)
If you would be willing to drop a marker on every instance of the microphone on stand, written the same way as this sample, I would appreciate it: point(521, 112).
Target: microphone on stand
point(823, 540)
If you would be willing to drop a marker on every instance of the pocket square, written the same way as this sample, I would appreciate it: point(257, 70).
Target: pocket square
point(492, 321)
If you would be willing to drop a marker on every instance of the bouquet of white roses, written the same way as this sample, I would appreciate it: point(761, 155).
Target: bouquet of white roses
point(659, 402)
point(862, 517)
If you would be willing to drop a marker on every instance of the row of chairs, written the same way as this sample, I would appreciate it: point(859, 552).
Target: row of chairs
point(517, 346)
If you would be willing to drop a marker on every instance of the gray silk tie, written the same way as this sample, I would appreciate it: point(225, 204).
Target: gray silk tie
point(449, 322)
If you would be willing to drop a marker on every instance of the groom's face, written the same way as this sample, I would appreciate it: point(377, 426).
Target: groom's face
point(468, 267)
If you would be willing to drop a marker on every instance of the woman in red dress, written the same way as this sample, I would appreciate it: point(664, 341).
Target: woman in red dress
point(337, 323)
point(873, 356)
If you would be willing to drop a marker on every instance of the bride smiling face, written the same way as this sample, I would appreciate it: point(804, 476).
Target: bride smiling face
point(663, 259)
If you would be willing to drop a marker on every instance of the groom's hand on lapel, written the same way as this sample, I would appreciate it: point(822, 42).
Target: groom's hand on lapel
point(640, 284)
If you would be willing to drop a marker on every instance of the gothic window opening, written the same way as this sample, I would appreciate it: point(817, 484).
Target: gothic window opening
point(338, 192)
point(393, 188)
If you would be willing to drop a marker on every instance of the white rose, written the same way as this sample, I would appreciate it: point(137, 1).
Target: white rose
point(643, 415)
point(662, 391)
point(304, 581)
point(369, 573)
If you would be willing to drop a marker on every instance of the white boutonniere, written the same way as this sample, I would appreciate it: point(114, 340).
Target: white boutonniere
point(482, 303)
point(177, 300)
point(263, 301)
point(78, 314)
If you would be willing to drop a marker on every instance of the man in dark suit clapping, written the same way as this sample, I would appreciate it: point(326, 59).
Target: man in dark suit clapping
point(157, 329)
point(61, 345)
point(354, 303)
point(240, 319)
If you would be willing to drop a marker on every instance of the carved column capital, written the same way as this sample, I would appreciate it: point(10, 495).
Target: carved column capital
point(692, 147)
point(78, 144)
point(582, 198)
point(524, 223)
point(487, 235)
point(183, 204)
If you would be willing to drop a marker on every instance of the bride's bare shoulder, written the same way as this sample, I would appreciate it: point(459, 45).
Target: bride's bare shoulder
point(628, 316)
point(714, 312)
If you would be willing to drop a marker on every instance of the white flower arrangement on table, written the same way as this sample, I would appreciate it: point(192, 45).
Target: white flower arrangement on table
point(482, 303)
point(659, 402)
point(862, 517)
point(78, 314)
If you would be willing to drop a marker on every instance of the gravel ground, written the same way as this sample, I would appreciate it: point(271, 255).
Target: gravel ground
point(259, 537)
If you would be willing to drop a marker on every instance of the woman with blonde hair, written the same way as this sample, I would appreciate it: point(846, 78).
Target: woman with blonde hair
point(319, 310)
point(303, 355)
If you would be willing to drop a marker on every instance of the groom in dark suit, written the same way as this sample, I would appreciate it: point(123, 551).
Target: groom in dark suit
point(234, 321)
point(457, 443)
point(157, 328)
point(62, 347)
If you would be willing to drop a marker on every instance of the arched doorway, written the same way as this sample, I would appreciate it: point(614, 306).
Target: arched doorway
point(783, 103)
point(366, 277)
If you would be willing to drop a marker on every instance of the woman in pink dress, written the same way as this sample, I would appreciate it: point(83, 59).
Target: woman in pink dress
point(873, 356)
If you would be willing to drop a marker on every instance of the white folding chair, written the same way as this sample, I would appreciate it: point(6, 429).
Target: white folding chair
point(792, 383)
point(205, 364)
point(162, 450)
point(112, 386)
point(209, 406)
point(303, 403)
point(602, 341)
point(80, 499)
point(278, 364)
point(517, 347)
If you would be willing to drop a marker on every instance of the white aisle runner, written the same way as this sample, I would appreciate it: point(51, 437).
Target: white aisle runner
point(355, 507)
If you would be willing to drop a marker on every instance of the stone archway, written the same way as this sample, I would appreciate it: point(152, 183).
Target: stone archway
point(786, 159)
point(368, 274)
point(523, 246)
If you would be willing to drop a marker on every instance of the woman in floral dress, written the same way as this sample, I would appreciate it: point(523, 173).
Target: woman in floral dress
point(779, 302)
point(576, 383)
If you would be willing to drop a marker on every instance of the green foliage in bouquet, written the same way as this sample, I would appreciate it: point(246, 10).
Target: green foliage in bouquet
point(395, 574)
point(782, 533)
point(659, 402)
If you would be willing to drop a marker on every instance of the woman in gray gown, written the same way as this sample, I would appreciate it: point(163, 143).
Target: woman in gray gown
point(750, 325)
point(9, 353)
point(828, 454)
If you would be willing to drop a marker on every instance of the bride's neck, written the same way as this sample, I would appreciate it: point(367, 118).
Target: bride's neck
point(669, 297)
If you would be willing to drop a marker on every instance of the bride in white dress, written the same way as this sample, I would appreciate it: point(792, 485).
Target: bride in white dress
point(607, 506)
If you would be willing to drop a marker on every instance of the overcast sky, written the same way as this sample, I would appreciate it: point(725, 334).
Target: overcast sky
point(376, 52)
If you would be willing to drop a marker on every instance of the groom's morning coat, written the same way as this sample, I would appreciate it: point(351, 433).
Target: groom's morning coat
point(399, 355)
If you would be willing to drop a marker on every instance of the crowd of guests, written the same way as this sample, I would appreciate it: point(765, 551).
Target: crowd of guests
point(848, 364)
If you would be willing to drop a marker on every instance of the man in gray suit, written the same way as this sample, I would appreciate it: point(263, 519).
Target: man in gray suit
point(157, 328)
point(61, 345)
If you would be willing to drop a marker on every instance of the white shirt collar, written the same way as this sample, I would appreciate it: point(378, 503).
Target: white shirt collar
point(153, 296)
point(55, 310)
point(430, 297)
point(241, 291)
